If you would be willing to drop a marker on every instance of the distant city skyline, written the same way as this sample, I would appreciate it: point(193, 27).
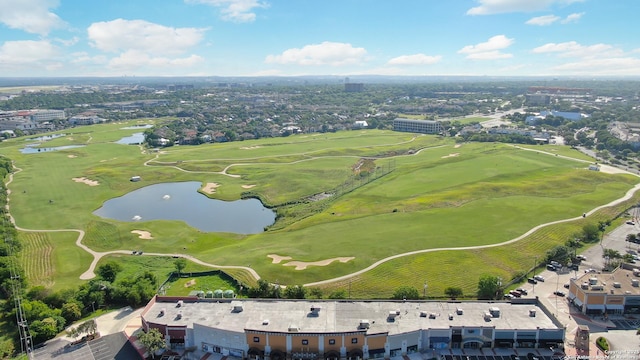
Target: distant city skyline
point(59, 38)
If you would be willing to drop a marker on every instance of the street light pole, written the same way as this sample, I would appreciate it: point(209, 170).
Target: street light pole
point(424, 290)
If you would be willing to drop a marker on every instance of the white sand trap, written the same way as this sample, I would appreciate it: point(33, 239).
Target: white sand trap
point(210, 188)
point(457, 146)
point(611, 170)
point(71, 156)
point(247, 186)
point(301, 265)
point(277, 258)
point(142, 234)
point(86, 181)
point(450, 155)
point(250, 147)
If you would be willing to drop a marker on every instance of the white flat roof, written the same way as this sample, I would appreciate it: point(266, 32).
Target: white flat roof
point(345, 316)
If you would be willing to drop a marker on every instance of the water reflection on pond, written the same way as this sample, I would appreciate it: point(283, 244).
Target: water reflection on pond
point(182, 201)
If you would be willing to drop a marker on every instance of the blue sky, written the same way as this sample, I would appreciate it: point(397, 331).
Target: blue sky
point(319, 37)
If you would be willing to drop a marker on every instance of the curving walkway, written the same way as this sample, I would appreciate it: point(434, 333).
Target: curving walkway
point(90, 273)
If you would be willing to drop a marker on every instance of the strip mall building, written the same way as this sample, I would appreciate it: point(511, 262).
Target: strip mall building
point(290, 329)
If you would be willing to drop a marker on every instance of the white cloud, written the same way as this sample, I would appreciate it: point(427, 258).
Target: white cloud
point(600, 66)
point(572, 18)
point(32, 16)
point(123, 35)
point(543, 20)
point(234, 10)
point(27, 53)
point(488, 50)
point(488, 7)
point(326, 53)
point(574, 49)
point(134, 60)
point(417, 59)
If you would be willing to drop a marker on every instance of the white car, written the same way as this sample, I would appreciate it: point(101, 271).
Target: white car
point(539, 278)
point(590, 270)
point(581, 257)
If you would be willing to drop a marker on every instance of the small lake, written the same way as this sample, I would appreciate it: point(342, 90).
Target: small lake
point(135, 127)
point(182, 201)
point(35, 150)
point(134, 139)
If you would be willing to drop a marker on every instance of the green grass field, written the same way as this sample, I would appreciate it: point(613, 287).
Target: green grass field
point(438, 195)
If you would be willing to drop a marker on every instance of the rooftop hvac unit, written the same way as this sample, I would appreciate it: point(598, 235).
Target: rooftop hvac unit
point(237, 308)
point(364, 324)
point(459, 311)
point(162, 312)
point(487, 316)
point(392, 314)
point(635, 282)
point(423, 314)
point(293, 328)
point(597, 287)
point(494, 311)
point(265, 322)
point(315, 309)
point(593, 281)
point(532, 313)
point(584, 286)
point(432, 315)
point(179, 316)
point(179, 304)
point(616, 285)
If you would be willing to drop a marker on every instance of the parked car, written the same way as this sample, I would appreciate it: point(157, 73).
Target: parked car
point(508, 296)
point(551, 267)
point(515, 293)
point(532, 281)
point(590, 270)
point(566, 286)
point(630, 223)
point(522, 291)
point(539, 278)
point(581, 257)
point(558, 293)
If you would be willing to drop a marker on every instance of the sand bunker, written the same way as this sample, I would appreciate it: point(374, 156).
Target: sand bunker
point(71, 156)
point(210, 188)
point(247, 186)
point(142, 234)
point(250, 147)
point(450, 155)
point(301, 265)
point(277, 258)
point(86, 181)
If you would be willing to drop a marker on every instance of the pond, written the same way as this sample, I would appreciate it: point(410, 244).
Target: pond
point(182, 201)
point(133, 139)
point(134, 127)
point(35, 150)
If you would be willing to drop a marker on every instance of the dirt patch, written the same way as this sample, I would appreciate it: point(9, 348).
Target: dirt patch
point(190, 283)
point(247, 186)
point(607, 169)
point(450, 155)
point(301, 265)
point(142, 234)
point(456, 146)
point(84, 180)
point(250, 147)
point(71, 156)
point(210, 188)
point(277, 258)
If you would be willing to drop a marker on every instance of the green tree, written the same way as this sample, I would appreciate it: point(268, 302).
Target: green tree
point(453, 292)
point(152, 341)
point(295, 292)
point(71, 311)
point(180, 264)
point(406, 293)
point(560, 254)
point(109, 271)
point(338, 294)
point(488, 287)
point(315, 293)
point(590, 233)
